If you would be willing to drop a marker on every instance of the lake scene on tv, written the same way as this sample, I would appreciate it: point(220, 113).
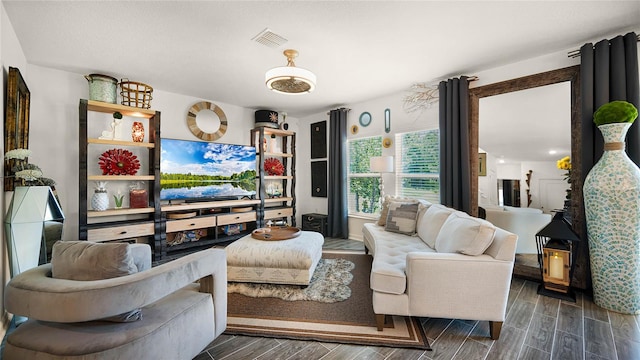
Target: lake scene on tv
point(201, 171)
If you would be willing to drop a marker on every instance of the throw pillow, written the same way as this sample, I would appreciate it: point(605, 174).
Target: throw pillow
point(388, 199)
point(465, 234)
point(431, 222)
point(402, 217)
point(84, 260)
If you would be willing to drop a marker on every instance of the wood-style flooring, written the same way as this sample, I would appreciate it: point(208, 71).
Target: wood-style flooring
point(537, 327)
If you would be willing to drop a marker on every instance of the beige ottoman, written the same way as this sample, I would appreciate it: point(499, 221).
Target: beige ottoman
point(291, 261)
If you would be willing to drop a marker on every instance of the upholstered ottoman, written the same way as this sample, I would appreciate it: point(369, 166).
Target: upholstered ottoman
point(290, 261)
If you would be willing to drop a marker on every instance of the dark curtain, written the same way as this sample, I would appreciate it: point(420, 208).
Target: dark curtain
point(455, 174)
point(608, 72)
point(337, 185)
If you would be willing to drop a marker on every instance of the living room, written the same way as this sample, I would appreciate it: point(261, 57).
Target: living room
point(56, 90)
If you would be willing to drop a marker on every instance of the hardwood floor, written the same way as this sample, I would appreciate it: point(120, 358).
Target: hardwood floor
point(536, 327)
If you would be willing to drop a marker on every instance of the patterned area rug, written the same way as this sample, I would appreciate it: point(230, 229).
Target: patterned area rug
point(350, 321)
point(329, 284)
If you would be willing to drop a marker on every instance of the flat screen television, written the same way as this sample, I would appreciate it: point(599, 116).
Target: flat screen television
point(206, 171)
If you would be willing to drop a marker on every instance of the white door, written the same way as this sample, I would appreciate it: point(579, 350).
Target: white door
point(552, 194)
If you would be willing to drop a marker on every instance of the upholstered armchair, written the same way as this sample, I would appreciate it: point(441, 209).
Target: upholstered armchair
point(171, 311)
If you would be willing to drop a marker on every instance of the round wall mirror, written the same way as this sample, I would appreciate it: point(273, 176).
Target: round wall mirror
point(365, 119)
point(206, 121)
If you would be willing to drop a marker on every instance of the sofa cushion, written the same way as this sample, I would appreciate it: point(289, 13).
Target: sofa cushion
point(430, 223)
point(390, 260)
point(465, 234)
point(387, 200)
point(402, 217)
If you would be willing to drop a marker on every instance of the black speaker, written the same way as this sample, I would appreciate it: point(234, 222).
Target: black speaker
point(319, 140)
point(319, 178)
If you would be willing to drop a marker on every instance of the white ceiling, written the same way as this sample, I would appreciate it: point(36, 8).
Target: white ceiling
point(359, 50)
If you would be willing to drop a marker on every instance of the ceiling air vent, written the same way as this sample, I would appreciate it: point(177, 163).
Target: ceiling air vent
point(269, 38)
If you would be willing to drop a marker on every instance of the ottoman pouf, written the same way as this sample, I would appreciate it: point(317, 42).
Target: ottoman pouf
point(290, 261)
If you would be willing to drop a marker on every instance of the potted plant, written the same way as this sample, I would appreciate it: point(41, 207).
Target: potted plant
point(612, 210)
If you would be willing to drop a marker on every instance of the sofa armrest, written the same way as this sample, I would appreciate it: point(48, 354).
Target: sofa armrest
point(35, 294)
point(454, 285)
point(216, 285)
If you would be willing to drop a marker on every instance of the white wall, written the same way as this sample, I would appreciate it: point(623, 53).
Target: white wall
point(400, 122)
point(543, 171)
point(11, 54)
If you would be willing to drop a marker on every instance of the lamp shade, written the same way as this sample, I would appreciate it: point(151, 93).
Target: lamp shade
point(381, 164)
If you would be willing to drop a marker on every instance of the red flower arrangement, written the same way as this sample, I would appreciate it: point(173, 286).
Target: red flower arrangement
point(273, 166)
point(118, 162)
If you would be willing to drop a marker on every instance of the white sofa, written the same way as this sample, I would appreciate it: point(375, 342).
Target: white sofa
point(524, 222)
point(454, 266)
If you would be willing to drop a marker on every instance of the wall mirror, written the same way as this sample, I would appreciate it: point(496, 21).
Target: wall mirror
point(568, 77)
point(207, 121)
point(16, 121)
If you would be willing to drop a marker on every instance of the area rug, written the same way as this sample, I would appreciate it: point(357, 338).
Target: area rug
point(329, 284)
point(351, 321)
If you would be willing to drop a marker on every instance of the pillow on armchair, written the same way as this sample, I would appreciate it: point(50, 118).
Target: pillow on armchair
point(86, 261)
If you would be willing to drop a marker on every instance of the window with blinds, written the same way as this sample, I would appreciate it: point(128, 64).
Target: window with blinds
point(364, 186)
point(418, 165)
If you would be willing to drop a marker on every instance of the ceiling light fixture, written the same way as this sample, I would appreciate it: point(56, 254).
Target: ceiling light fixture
point(290, 79)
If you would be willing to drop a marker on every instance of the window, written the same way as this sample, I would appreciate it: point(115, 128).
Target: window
point(418, 165)
point(364, 189)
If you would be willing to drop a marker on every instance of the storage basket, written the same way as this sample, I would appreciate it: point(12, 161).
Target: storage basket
point(135, 94)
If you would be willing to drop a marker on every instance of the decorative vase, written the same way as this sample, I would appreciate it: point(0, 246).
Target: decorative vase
point(137, 131)
point(100, 200)
point(612, 210)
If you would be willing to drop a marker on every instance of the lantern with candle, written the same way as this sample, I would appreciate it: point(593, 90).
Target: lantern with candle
point(556, 256)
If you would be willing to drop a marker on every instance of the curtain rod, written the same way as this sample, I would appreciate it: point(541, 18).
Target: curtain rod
point(576, 53)
point(329, 113)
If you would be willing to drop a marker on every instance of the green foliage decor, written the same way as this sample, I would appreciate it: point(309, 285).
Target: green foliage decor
point(615, 112)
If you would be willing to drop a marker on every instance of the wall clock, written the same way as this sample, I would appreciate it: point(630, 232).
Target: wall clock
point(365, 119)
point(192, 115)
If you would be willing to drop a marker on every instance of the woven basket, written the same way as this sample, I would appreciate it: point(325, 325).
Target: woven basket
point(135, 94)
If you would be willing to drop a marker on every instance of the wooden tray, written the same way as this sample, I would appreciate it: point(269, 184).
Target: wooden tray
point(275, 233)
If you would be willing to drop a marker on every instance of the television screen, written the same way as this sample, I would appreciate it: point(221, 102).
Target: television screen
point(196, 170)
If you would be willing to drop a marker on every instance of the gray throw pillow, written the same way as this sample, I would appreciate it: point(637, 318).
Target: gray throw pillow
point(86, 261)
point(402, 217)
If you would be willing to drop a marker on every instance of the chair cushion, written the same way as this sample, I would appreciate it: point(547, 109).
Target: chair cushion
point(178, 326)
point(402, 217)
point(84, 260)
point(465, 234)
point(431, 222)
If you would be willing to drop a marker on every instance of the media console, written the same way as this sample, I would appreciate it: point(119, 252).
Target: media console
point(203, 224)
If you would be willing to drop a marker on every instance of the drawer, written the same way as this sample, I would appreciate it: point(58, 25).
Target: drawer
point(120, 232)
point(191, 224)
point(278, 213)
point(235, 218)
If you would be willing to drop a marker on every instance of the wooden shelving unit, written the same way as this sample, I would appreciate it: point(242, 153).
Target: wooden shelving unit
point(126, 224)
point(282, 207)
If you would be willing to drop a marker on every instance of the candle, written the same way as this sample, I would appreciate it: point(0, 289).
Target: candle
point(556, 266)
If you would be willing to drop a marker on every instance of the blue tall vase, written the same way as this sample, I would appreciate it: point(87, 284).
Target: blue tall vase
point(612, 208)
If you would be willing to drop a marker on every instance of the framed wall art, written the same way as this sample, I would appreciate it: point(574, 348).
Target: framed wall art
point(16, 120)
